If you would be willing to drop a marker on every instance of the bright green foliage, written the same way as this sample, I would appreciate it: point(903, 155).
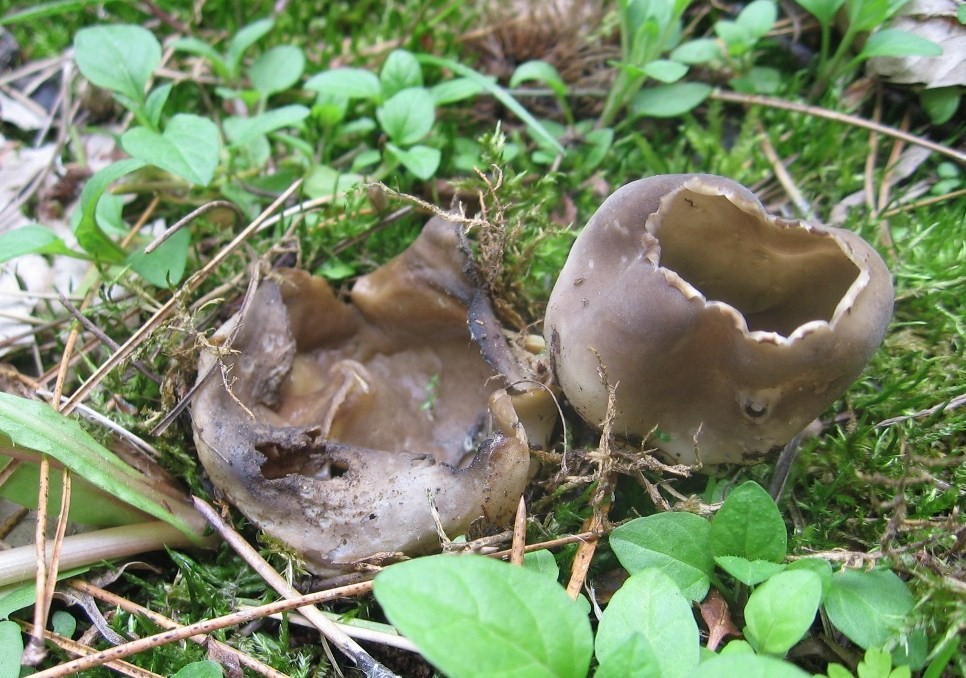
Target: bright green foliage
point(648, 622)
point(868, 607)
point(472, 616)
point(678, 544)
point(188, 147)
point(746, 571)
point(780, 611)
point(745, 665)
point(38, 428)
point(11, 649)
point(202, 669)
point(876, 664)
point(228, 65)
point(121, 59)
point(749, 525)
point(864, 16)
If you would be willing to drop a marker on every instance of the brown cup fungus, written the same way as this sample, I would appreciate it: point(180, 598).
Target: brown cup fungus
point(725, 330)
point(347, 422)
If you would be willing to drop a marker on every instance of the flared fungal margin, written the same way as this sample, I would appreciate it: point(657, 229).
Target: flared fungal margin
point(727, 329)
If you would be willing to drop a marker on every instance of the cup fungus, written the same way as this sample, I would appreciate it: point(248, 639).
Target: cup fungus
point(725, 330)
point(346, 422)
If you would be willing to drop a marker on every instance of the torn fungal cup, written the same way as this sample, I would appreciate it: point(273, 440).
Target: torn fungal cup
point(725, 330)
point(346, 423)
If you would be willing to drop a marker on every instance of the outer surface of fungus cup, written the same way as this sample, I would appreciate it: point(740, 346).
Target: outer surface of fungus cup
point(365, 414)
point(725, 330)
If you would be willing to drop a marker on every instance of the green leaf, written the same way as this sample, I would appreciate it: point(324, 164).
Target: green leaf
point(668, 101)
point(400, 71)
point(203, 49)
point(201, 669)
point(422, 161)
point(893, 42)
point(351, 83)
point(37, 426)
point(676, 543)
point(154, 105)
point(868, 607)
point(501, 95)
point(408, 115)
point(758, 17)
point(119, 58)
point(165, 266)
point(323, 181)
point(63, 622)
point(542, 562)
point(759, 80)
point(90, 505)
point(189, 147)
point(240, 130)
point(242, 40)
point(11, 649)
point(665, 70)
point(277, 69)
point(334, 268)
point(539, 71)
point(650, 605)
point(750, 572)
point(747, 666)
point(472, 616)
point(823, 10)
point(864, 15)
point(940, 103)
point(88, 233)
point(33, 239)
point(635, 657)
point(780, 611)
point(738, 40)
point(819, 566)
point(699, 51)
point(15, 597)
point(599, 141)
point(749, 525)
point(457, 89)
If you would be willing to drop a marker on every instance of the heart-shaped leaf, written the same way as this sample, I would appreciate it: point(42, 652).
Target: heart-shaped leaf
point(188, 147)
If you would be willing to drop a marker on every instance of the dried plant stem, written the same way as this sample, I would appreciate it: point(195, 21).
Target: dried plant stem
point(578, 538)
point(72, 646)
point(326, 626)
point(519, 534)
point(162, 621)
point(205, 626)
point(17, 564)
point(772, 102)
point(784, 178)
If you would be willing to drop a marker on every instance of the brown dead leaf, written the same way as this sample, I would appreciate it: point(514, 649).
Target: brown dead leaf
point(715, 613)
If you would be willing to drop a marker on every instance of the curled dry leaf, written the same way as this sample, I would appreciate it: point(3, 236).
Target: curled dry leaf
point(725, 330)
point(368, 413)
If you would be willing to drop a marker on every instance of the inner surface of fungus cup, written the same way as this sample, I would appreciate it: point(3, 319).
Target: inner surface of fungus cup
point(346, 422)
point(724, 329)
